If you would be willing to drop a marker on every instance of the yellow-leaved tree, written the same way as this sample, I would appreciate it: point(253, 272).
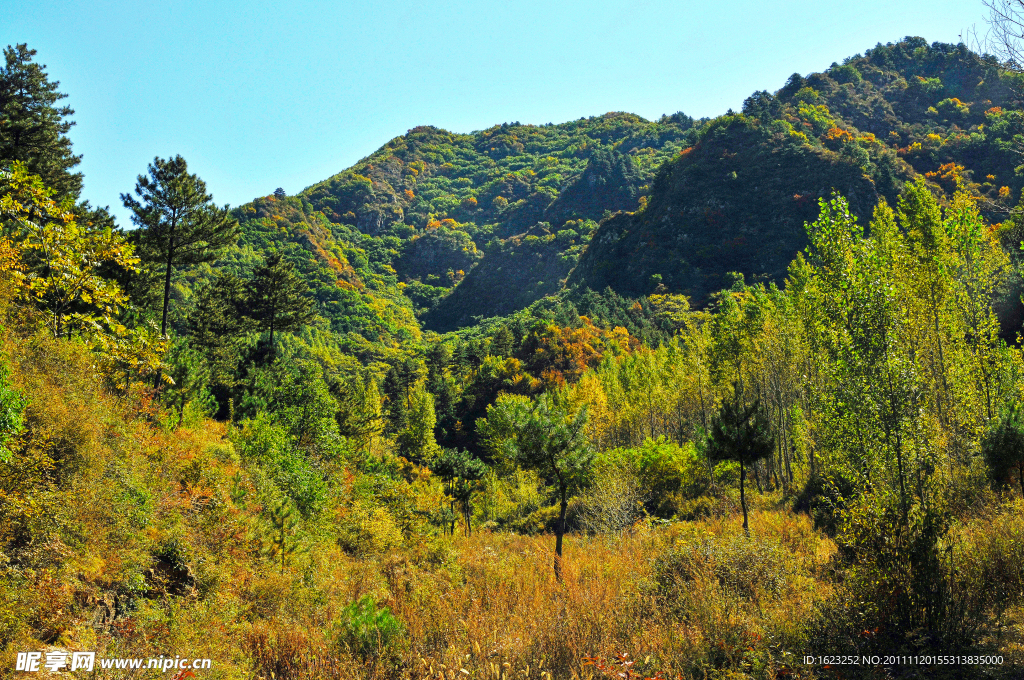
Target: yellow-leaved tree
point(56, 263)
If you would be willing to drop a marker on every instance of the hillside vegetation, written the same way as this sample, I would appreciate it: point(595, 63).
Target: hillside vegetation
point(693, 399)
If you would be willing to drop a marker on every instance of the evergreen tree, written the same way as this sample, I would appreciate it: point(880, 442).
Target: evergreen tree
point(461, 473)
point(190, 375)
point(543, 436)
point(397, 388)
point(283, 543)
point(217, 326)
point(32, 128)
point(278, 299)
point(741, 433)
point(180, 224)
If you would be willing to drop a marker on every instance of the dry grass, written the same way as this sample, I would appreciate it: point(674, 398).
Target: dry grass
point(100, 491)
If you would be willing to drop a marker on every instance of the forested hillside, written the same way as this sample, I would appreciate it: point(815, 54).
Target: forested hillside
point(482, 225)
point(604, 399)
point(738, 197)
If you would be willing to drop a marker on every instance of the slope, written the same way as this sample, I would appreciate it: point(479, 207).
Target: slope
point(737, 199)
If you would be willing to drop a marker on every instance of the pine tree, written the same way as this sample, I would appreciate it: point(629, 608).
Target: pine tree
point(32, 129)
point(741, 433)
point(278, 299)
point(283, 541)
point(545, 436)
point(217, 326)
point(180, 224)
point(461, 473)
point(1003, 447)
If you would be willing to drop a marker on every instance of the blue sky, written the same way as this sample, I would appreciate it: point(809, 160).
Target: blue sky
point(258, 95)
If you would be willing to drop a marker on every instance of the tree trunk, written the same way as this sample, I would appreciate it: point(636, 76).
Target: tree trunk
point(167, 289)
point(167, 299)
point(559, 532)
point(743, 498)
point(1020, 477)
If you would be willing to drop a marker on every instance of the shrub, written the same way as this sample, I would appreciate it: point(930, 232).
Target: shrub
point(267, 443)
point(755, 568)
point(367, 531)
point(615, 500)
point(371, 632)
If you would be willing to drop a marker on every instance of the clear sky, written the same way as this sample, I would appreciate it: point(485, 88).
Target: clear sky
point(258, 95)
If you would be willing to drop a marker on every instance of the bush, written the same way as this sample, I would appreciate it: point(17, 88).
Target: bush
point(615, 500)
point(665, 471)
point(747, 567)
point(371, 632)
point(268, 444)
point(367, 531)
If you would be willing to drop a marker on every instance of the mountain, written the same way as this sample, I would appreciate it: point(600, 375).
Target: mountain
point(737, 198)
point(437, 230)
point(457, 226)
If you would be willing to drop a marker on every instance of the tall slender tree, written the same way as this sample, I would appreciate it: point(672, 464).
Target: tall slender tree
point(278, 299)
point(180, 224)
point(33, 129)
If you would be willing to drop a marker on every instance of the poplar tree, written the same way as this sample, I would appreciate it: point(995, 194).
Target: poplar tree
point(180, 225)
point(33, 129)
point(278, 299)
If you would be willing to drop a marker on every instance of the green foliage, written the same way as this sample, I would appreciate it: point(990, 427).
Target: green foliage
point(544, 436)
point(1003, 447)
point(269, 445)
point(33, 130)
point(369, 631)
point(664, 470)
point(876, 381)
point(217, 326)
point(740, 432)
point(283, 541)
point(12, 410)
point(462, 474)
point(179, 225)
point(277, 299)
point(188, 377)
point(62, 258)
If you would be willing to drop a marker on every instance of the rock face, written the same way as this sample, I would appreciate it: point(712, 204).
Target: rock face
point(166, 578)
point(108, 608)
point(736, 201)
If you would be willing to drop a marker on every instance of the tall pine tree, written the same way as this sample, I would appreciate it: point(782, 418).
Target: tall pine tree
point(33, 129)
point(180, 224)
